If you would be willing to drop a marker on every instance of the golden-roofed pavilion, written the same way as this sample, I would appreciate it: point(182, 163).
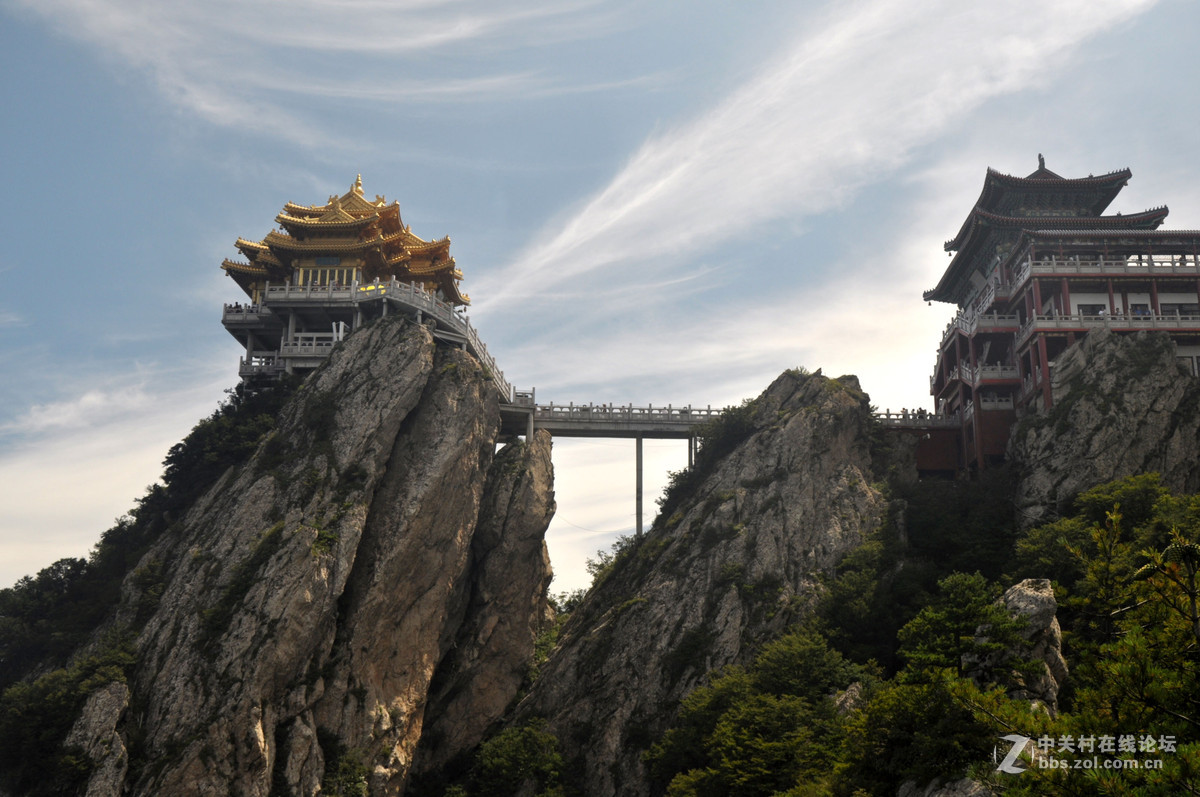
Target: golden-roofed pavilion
point(347, 240)
point(326, 270)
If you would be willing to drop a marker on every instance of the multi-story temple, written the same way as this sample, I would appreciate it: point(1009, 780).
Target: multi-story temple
point(1036, 266)
point(329, 268)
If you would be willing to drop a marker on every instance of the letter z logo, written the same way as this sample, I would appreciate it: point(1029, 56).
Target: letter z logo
point(1009, 764)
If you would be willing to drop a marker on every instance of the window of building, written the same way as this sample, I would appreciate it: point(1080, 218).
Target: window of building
point(1093, 309)
point(322, 277)
point(1180, 309)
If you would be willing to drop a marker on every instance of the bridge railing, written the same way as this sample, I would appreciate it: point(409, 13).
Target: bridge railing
point(919, 419)
point(623, 414)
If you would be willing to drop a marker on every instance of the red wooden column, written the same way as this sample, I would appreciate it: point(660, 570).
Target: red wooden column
point(1154, 297)
point(1112, 307)
point(1047, 395)
point(1066, 297)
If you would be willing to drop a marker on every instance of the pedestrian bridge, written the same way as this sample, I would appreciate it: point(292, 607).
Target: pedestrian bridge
point(603, 420)
point(520, 412)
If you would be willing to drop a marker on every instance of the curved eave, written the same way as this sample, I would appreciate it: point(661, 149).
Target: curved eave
point(427, 268)
point(249, 269)
point(354, 207)
point(996, 185)
point(289, 244)
point(982, 224)
point(320, 224)
point(250, 246)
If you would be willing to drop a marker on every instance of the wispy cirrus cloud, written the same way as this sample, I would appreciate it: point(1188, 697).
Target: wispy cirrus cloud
point(850, 100)
point(235, 64)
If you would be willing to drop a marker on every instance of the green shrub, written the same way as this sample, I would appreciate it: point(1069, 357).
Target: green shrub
point(516, 759)
point(35, 717)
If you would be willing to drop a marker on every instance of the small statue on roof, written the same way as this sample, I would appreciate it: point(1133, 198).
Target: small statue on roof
point(1041, 161)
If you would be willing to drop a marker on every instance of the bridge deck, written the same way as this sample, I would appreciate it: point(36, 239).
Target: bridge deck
point(606, 420)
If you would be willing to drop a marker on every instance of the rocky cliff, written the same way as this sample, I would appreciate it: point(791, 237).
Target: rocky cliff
point(733, 562)
point(374, 575)
point(1122, 406)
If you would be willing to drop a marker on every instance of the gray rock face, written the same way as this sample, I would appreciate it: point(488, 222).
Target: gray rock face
point(1034, 600)
point(96, 735)
point(733, 565)
point(313, 594)
point(1122, 406)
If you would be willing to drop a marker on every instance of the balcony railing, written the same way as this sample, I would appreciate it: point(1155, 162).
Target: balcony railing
point(405, 294)
point(246, 313)
point(993, 373)
point(264, 364)
point(1142, 265)
point(1084, 323)
point(969, 323)
point(1137, 265)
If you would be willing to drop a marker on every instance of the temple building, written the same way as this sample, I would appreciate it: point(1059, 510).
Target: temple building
point(1037, 265)
point(327, 269)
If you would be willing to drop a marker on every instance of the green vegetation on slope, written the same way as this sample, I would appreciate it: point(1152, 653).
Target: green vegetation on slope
point(1126, 567)
point(44, 619)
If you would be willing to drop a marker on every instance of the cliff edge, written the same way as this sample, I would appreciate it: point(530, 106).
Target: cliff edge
point(1122, 406)
point(317, 601)
point(784, 492)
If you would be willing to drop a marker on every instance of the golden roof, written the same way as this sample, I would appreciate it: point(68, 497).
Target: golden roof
point(351, 223)
point(243, 268)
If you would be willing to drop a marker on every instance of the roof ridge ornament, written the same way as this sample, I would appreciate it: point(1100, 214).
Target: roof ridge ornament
point(357, 187)
point(1041, 162)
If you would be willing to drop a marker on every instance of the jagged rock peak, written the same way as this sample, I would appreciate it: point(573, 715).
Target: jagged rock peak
point(1122, 406)
point(313, 594)
point(783, 492)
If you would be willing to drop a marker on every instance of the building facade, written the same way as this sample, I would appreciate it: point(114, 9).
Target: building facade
point(1037, 265)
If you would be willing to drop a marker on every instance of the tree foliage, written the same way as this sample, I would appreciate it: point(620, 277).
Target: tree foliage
point(1125, 565)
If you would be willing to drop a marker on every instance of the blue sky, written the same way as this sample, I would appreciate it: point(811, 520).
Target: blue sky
point(659, 202)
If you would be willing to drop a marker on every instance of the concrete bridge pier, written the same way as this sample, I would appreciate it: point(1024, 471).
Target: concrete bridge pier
point(639, 485)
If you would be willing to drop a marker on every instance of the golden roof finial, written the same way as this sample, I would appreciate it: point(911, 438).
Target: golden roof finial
point(358, 185)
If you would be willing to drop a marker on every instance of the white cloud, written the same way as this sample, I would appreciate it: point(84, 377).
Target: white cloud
point(68, 467)
point(235, 63)
point(849, 102)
